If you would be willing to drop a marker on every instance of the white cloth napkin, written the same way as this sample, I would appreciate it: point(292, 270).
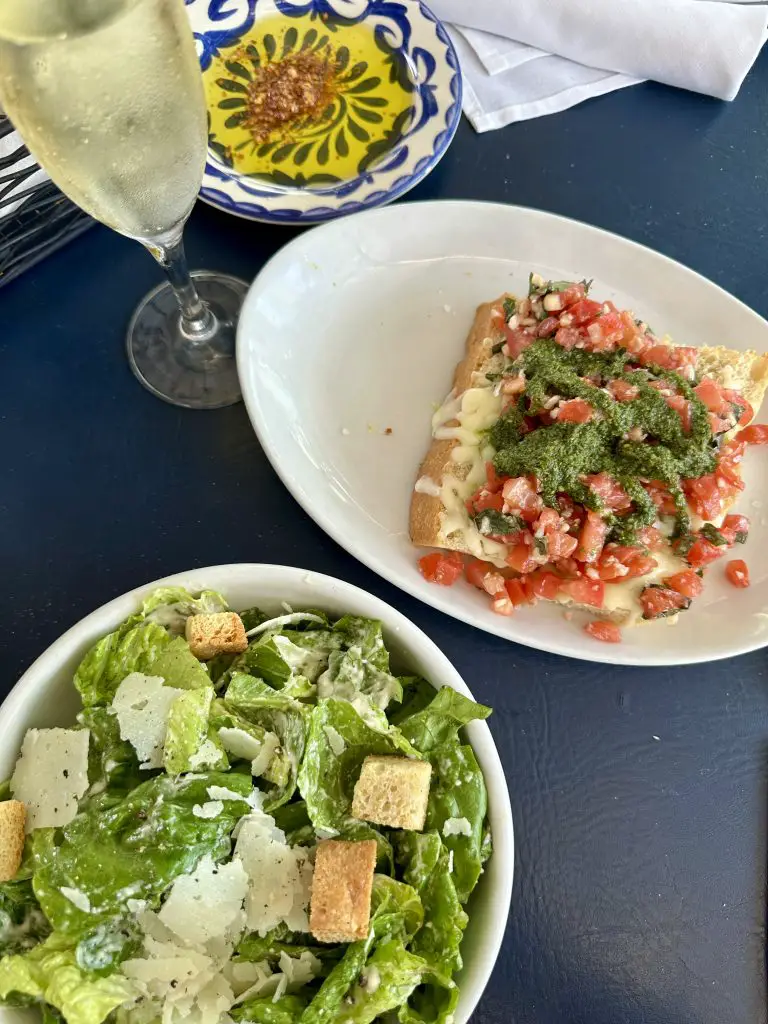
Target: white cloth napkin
point(524, 58)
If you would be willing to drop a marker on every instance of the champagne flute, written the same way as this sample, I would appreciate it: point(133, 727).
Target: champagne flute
point(108, 96)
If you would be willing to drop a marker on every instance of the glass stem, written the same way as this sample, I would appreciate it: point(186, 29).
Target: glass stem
point(197, 321)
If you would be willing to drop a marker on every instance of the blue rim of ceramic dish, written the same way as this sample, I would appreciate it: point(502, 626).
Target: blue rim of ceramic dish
point(269, 205)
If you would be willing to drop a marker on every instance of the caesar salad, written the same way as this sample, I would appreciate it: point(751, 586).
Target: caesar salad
point(254, 818)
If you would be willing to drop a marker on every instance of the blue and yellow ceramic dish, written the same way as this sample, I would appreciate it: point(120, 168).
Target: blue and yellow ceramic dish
point(320, 108)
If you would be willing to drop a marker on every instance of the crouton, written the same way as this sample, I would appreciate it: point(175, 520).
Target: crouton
point(340, 909)
point(393, 791)
point(220, 633)
point(13, 817)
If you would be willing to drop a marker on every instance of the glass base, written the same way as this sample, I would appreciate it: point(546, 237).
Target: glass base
point(194, 373)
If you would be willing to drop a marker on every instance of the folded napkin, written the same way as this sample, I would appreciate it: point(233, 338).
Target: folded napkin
point(524, 58)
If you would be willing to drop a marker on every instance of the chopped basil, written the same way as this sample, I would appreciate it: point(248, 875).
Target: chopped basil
point(540, 543)
point(510, 305)
point(494, 377)
point(490, 522)
point(713, 535)
point(497, 348)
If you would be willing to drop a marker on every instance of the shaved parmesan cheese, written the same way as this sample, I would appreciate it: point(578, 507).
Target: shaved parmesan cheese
point(222, 793)
point(208, 903)
point(269, 748)
point(142, 705)
point(210, 809)
point(240, 743)
point(457, 827)
point(51, 775)
point(335, 740)
point(280, 877)
point(294, 973)
point(77, 897)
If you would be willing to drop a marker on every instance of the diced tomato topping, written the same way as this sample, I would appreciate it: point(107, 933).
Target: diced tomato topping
point(605, 332)
point(757, 433)
point(443, 567)
point(612, 494)
point(560, 545)
point(517, 593)
point(608, 632)
point(591, 538)
point(671, 357)
point(660, 601)
point(542, 584)
point(718, 425)
point(617, 563)
point(651, 538)
point(494, 584)
point(569, 337)
point(573, 293)
point(548, 521)
point(476, 570)
point(547, 327)
point(520, 495)
point(735, 529)
point(517, 340)
point(493, 480)
point(683, 409)
point(585, 591)
point(737, 572)
point(702, 552)
point(660, 496)
point(520, 558)
point(622, 390)
point(736, 398)
point(583, 312)
point(711, 394)
point(688, 583)
point(731, 455)
point(575, 410)
point(484, 500)
point(704, 496)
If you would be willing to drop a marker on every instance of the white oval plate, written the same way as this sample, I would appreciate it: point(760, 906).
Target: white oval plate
point(356, 327)
point(45, 696)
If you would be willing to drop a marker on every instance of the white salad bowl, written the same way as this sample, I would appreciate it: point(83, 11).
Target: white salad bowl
point(45, 696)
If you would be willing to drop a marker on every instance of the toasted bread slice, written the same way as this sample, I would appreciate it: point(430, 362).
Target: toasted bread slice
point(445, 464)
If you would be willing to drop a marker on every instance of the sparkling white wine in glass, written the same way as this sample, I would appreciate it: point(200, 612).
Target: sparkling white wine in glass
point(108, 96)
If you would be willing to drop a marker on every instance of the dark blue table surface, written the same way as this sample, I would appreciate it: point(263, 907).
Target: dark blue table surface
point(639, 795)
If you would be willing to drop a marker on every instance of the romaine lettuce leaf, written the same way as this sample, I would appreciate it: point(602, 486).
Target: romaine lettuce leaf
point(131, 850)
point(22, 922)
point(282, 656)
point(170, 607)
point(395, 913)
point(425, 863)
point(180, 668)
point(133, 647)
point(366, 634)
point(417, 694)
point(254, 947)
point(458, 791)
point(49, 973)
point(275, 711)
point(286, 1010)
point(441, 719)
point(327, 779)
point(112, 761)
point(187, 732)
point(389, 977)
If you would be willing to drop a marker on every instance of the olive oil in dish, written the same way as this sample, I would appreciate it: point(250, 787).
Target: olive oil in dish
point(303, 102)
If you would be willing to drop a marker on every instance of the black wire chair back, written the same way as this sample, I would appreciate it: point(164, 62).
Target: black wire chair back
point(43, 219)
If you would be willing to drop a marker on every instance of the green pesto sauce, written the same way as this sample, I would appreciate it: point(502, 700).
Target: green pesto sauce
point(560, 454)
